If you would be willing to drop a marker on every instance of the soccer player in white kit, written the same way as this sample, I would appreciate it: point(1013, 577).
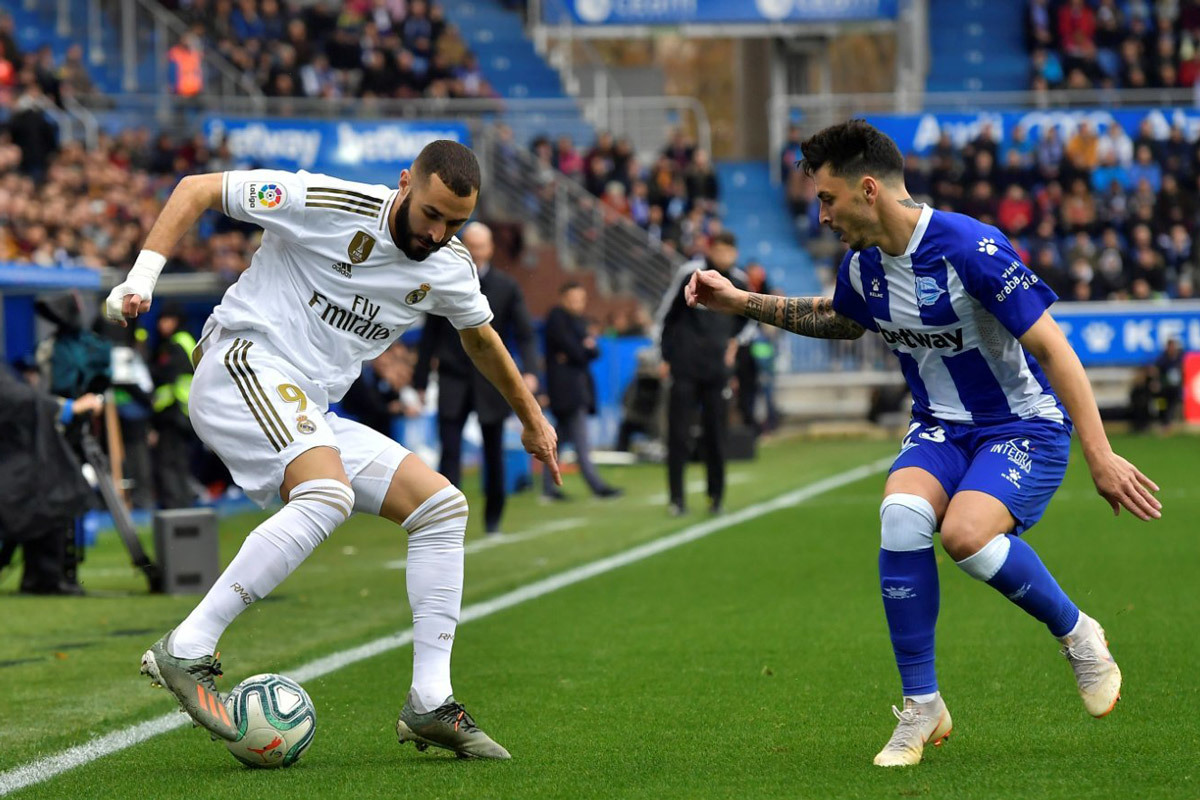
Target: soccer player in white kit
point(344, 268)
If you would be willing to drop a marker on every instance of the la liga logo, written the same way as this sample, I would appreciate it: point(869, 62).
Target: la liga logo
point(270, 195)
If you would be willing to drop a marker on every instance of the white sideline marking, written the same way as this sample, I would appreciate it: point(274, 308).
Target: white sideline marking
point(46, 768)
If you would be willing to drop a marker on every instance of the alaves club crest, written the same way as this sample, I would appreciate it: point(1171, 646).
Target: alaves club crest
point(928, 291)
point(417, 295)
point(360, 247)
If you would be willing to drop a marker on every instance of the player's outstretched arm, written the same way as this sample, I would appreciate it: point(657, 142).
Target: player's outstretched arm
point(1117, 481)
point(194, 195)
point(488, 353)
point(807, 316)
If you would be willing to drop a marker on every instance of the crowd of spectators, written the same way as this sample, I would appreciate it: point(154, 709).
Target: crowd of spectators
point(1127, 44)
point(20, 70)
point(94, 208)
point(674, 199)
point(1097, 214)
point(356, 48)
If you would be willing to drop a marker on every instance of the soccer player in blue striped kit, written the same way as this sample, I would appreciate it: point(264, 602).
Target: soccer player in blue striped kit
point(996, 390)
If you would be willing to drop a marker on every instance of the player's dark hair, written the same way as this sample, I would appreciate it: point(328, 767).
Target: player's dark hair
point(454, 163)
point(568, 286)
point(852, 149)
point(726, 238)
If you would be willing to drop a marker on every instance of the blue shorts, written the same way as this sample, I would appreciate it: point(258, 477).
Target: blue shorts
point(1021, 464)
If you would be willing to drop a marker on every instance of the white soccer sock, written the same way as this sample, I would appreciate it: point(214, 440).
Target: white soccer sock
point(270, 553)
point(435, 580)
point(921, 698)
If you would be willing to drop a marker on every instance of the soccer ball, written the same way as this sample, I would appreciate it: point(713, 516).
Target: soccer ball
point(275, 719)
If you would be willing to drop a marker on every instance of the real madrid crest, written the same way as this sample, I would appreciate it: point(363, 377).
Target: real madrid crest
point(305, 425)
point(417, 295)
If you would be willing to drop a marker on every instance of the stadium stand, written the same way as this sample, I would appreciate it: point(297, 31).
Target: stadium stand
point(1099, 216)
point(1134, 44)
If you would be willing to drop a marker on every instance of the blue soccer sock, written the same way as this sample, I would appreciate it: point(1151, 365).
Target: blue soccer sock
point(1010, 566)
point(908, 581)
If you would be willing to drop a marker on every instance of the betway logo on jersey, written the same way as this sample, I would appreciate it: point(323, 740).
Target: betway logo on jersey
point(940, 340)
point(359, 319)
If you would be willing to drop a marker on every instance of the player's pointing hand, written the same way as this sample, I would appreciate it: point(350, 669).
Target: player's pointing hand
point(1122, 484)
point(541, 442)
point(714, 291)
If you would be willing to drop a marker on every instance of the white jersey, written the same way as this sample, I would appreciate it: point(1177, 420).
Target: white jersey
point(328, 286)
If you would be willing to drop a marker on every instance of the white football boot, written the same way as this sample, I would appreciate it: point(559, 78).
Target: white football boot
point(919, 724)
point(1096, 672)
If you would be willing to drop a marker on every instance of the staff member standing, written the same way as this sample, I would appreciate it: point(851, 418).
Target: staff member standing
point(463, 389)
point(569, 351)
point(698, 351)
point(171, 372)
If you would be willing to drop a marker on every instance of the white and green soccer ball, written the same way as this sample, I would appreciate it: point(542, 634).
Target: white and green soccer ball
point(275, 719)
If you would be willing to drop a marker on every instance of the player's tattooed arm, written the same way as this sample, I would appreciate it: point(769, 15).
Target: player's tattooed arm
point(807, 316)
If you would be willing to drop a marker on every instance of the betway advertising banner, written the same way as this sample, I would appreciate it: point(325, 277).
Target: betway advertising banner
point(370, 152)
point(918, 133)
point(709, 12)
point(1127, 334)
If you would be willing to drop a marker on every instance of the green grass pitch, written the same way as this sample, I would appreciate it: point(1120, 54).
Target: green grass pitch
point(753, 662)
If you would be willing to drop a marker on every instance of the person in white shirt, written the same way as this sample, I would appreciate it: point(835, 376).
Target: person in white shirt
point(343, 270)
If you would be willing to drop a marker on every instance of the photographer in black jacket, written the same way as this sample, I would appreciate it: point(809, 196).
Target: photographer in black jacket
point(42, 489)
point(698, 350)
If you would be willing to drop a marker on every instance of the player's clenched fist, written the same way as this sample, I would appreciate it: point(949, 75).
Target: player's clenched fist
point(133, 295)
point(123, 305)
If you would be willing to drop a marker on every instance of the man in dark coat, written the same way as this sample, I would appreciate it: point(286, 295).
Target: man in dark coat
point(698, 350)
point(569, 351)
point(41, 487)
point(463, 389)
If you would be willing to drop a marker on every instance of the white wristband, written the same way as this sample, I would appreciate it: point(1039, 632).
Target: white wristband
point(146, 269)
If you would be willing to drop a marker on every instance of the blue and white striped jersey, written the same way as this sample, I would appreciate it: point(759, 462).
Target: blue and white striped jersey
point(951, 308)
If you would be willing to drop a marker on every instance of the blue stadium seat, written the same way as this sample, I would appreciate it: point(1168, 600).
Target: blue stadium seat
point(756, 213)
point(977, 45)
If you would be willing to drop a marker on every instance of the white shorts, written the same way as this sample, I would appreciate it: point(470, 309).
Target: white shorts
point(258, 412)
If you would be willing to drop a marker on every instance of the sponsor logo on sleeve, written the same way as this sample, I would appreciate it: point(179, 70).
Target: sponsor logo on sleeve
point(264, 196)
point(1017, 276)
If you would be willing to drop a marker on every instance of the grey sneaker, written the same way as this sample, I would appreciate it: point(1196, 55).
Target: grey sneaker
point(448, 726)
point(918, 725)
point(192, 681)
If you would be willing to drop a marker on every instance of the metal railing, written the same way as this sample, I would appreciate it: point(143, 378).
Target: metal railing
point(557, 210)
point(813, 112)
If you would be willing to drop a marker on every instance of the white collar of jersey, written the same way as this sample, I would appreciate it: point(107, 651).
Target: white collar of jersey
point(917, 235)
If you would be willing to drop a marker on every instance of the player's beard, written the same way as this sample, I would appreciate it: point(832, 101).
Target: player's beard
point(416, 248)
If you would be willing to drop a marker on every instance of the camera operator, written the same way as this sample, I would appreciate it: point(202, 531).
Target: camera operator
point(42, 489)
